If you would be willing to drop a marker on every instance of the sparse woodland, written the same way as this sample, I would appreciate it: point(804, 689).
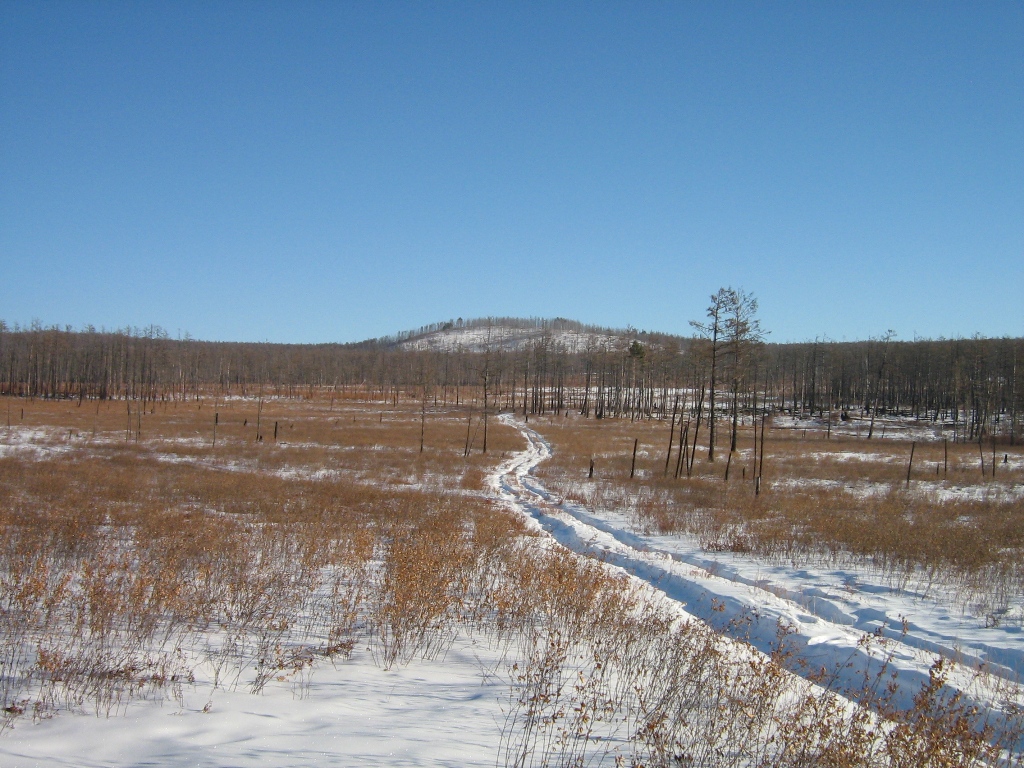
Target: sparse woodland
point(973, 384)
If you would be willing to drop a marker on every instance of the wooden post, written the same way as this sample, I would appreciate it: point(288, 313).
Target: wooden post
point(753, 471)
point(910, 463)
point(259, 414)
point(632, 467)
point(981, 455)
point(760, 469)
point(275, 431)
point(591, 475)
point(945, 457)
point(216, 418)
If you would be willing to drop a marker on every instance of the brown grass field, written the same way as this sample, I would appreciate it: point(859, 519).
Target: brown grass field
point(135, 551)
point(838, 499)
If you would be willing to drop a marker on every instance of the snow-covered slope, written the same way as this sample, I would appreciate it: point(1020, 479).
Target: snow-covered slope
point(479, 339)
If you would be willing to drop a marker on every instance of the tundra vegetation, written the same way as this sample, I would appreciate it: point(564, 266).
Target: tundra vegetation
point(791, 492)
point(259, 510)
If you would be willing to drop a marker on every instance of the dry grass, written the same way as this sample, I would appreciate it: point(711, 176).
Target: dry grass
point(841, 499)
point(131, 559)
point(153, 550)
point(610, 673)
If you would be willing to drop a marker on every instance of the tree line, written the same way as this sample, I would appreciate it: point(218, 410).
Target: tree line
point(725, 373)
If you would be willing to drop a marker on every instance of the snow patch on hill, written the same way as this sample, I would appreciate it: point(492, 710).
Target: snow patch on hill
point(479, 339)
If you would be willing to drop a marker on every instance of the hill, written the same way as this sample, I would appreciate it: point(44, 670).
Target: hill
point(510, 333)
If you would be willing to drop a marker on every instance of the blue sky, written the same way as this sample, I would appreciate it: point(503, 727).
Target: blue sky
point(314, 172)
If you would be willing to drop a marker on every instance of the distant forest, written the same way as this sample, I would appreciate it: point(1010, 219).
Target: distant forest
point(970, 383)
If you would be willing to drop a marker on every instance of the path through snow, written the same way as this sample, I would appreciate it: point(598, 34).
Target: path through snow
point(830, 615)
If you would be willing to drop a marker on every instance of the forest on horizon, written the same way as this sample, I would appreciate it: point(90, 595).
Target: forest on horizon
point(973, 382)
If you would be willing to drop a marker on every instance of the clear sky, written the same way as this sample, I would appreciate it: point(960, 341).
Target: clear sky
point(307, 172)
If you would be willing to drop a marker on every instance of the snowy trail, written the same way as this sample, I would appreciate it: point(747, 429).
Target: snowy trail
point(830, 620)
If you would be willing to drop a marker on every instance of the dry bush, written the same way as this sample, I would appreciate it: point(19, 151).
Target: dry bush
point(128, 565)
point(423, 581)
point(614, 676)
point(843, 500)
point(132, 558)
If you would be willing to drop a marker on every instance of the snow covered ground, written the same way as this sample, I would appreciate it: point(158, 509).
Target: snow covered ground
point(886, 426)
point(445, 712)
point(828, 612)
point(36, 443)
point(450, 711)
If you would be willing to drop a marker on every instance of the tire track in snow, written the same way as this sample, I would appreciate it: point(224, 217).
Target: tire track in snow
point(820, 635)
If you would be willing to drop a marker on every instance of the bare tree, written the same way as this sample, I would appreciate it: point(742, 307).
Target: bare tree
point(743, 334)
point(713, 331)
point(878, 379)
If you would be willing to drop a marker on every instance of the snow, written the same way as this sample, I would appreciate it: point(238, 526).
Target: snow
point(949, 491)
point(445, 712)
point(500, 337)
point(887, 426)
point(36, 442)
point(830, 612)
point(450, 711)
